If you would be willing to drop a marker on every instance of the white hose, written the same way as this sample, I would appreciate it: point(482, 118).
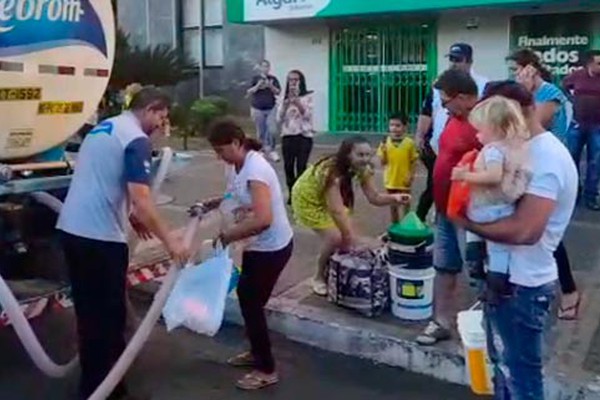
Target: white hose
point(30, 341)
point(19, 321)
point(163, 169)
point(145, 329)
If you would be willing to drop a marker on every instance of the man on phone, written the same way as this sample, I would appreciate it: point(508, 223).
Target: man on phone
point(263, 93)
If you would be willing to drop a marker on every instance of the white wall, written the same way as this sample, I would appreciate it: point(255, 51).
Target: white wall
point(306, 48)
point(490, 40)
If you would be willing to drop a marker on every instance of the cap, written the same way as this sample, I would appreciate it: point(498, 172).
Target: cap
point(461, 50)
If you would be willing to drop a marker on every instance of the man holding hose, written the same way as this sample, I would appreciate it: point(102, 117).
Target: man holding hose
point(113, 168)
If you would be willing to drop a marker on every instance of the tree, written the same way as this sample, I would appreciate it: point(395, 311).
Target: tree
point(152, 65)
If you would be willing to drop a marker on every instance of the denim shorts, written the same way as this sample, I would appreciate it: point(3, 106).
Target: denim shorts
point(449, 246)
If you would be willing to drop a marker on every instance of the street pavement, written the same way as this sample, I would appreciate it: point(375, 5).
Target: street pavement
point(185, 366)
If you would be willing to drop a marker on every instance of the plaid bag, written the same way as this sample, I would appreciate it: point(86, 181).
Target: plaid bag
point(359, 281)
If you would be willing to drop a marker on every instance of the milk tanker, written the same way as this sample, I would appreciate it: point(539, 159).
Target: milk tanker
point(55, 62)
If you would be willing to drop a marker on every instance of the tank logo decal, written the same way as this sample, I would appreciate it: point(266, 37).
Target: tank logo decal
point(27, 26)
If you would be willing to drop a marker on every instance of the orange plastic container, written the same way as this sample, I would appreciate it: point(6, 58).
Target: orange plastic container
point(459, 190)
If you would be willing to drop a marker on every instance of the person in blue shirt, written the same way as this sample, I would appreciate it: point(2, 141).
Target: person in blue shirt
point(551, 103)
point(113, 169)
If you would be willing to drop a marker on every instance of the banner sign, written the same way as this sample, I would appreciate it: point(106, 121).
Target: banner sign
point(559, 39)
point(275, 10)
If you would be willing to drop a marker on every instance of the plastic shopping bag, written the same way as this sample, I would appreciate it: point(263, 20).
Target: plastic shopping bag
point(197, 301)
point(460, 193)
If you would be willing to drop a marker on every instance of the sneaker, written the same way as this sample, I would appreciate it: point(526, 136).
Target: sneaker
point(432, 334)
point(274, 156)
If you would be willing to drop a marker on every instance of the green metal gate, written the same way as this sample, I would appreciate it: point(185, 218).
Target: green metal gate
point(377, 70)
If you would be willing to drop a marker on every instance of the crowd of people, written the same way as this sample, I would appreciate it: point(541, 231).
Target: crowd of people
point(510, 237)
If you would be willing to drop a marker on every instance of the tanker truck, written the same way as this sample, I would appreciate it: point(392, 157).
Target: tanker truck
point(56, 58)
point(55, 62)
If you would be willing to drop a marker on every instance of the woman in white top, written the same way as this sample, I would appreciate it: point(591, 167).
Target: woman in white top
point(254, 187)
point(297, 130)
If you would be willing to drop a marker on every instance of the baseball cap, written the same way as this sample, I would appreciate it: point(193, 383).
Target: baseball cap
point(461, 51)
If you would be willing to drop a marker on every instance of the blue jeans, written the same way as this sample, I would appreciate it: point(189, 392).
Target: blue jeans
point(516, 330)
point(449, 246)
point(265, 127)
point(577, 138)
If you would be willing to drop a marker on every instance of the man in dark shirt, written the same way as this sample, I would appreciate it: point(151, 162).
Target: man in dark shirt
point(584, 85)
point(263, 93)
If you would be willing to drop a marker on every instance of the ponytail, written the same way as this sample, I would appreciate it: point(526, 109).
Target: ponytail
point(252, 144)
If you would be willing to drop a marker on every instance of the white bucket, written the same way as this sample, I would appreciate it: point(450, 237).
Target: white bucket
point(479, 367)
point(411, 292)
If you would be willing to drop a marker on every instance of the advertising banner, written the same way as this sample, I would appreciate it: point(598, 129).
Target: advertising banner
point(559, 39)
point(274, 10)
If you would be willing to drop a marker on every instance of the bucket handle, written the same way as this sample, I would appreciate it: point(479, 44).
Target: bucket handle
point(475, 306)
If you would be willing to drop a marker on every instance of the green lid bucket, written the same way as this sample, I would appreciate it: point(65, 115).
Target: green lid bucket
point(410, 231)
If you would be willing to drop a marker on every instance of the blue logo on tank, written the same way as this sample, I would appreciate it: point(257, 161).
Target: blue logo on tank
point(27, 26)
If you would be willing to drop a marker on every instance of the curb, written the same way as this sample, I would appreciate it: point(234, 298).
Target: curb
point(302, 324)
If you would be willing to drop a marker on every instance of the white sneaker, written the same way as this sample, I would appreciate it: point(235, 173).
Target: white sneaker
point(274, 156)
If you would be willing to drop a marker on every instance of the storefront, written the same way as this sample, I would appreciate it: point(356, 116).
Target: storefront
point(366, 59)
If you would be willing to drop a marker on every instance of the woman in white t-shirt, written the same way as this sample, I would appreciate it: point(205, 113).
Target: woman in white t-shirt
point(254, 186)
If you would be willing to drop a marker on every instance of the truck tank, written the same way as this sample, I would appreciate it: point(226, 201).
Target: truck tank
point(56, 58)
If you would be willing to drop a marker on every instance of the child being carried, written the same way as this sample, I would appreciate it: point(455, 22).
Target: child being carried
point(499, 178)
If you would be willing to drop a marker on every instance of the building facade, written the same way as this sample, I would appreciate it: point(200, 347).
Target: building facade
point(224, 55)
point(367, 59)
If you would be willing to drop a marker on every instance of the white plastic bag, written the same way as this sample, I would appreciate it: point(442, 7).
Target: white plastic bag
point(197, 301)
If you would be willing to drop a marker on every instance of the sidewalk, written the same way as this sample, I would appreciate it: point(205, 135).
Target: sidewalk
point(574, 369)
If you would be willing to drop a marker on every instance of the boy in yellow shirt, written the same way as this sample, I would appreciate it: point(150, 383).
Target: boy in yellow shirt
point(398, 154)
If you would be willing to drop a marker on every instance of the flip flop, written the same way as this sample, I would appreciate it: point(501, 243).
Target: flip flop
point(319, 288)
point(253, 381)
point(242, 360)
point(570, 313)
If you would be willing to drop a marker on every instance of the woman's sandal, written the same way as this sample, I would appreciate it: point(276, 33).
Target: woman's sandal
point(242, 360)
point(255, 381)
point(570, 313)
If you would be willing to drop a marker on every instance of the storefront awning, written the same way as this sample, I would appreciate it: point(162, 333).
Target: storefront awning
point(241, 11)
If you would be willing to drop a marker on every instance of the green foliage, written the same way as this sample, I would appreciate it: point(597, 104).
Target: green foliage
point(195, 120)
point(221, 103)
point(159, 65)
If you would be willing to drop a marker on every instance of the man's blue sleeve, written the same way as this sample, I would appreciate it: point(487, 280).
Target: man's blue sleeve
point(138, 161)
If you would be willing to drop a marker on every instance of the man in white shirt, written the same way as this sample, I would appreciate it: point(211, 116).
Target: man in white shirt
point(434, 116)
point(517, 310)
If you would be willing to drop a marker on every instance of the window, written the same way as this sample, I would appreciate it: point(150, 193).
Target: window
point(212, 33)
point(191, 33)
point(202, 31)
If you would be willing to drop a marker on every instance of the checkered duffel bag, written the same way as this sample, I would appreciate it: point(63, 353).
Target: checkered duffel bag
point(359, 281)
